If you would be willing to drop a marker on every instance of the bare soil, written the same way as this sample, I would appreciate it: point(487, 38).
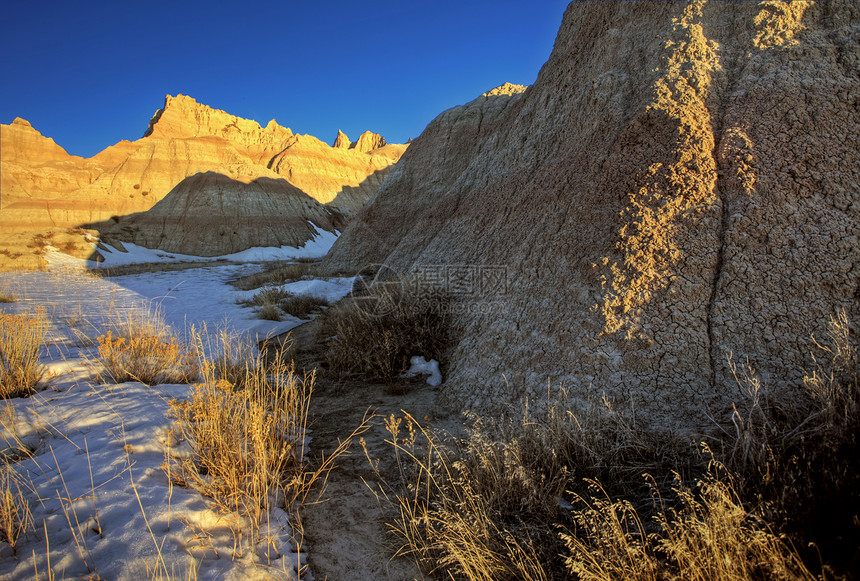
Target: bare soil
point(345, 534)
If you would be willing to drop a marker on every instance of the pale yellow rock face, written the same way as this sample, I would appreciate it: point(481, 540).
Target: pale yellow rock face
point(324, 172)
point(679, 184)
point(341, 141)
point(368, 141)
point(44, 187)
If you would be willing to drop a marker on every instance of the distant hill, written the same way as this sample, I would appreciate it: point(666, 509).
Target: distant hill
point(46, 189)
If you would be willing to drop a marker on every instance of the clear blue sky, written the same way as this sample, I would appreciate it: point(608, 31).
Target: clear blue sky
point(89, 74)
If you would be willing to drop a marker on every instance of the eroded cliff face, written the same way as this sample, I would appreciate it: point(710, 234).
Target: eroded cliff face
point(210, 214)
point(43, 187)
point(680, 184)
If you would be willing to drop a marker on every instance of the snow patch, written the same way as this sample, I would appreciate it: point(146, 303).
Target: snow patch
point(421, 366)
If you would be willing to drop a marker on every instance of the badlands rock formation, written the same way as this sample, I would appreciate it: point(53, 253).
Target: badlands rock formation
point(341, 141)
point(679, 184)
point(44, 187)
point(210, 214)
point(368, 141)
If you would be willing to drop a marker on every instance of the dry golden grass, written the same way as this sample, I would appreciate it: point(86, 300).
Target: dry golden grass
point(302, 306)
point(20, 367)
point(707, 536)
point(15, 515)
point(7, 293)
point(491, 506)
point(142, 348)
point(246, 440)
point(246, 423)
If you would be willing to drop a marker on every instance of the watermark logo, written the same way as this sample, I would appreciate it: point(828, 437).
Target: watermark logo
point(475, 281)
point(378, 290)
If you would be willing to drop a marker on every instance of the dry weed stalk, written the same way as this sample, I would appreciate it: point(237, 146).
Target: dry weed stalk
point(15, 515)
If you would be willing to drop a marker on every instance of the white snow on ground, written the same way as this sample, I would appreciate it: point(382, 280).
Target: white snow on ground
point(100, 448)
point(420, 366)
point(135, 254)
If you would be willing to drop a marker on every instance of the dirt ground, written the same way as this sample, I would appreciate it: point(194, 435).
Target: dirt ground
point(345, 533)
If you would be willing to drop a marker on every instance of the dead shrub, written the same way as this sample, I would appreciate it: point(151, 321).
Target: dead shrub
point(142, 348)
point(20, 365)
point(302, 306)
point(376, 334)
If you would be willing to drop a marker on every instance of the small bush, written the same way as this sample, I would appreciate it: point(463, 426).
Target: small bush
point(270, 312)
point(276, 273)
point(302, 306)
point(20, 366)
point(143, 350)
point(7, 295)
point(376, 334)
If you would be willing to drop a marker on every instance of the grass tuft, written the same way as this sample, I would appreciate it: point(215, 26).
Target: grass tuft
point(20, 366)
point(15, 515)
point(7, 295)
point(143, 349)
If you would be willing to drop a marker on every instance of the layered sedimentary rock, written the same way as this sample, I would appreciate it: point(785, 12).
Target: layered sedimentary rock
point(679, 184)
point(368, 141)
point(44, 187)
point(33, 164)
point(210, 214)
point(324, 172)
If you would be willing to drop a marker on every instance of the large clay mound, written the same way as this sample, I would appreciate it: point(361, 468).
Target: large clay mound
point(210, 214)
point(680, 184)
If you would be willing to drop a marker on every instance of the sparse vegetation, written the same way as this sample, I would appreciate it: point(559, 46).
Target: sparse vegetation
point(147, 267)
point(302, 306)
point(512, 498)
point(20, 368)
point(7, 295)
point(143, 349)
point(705, 534)
point(249, 436)
point(10, 254)
point(248, 442)
point(15, 515)
point(277, 273)
point(375, 334)
point(275, 301)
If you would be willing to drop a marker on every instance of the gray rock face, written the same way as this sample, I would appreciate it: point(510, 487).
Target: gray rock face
point(680, 183)
point(210, 214)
